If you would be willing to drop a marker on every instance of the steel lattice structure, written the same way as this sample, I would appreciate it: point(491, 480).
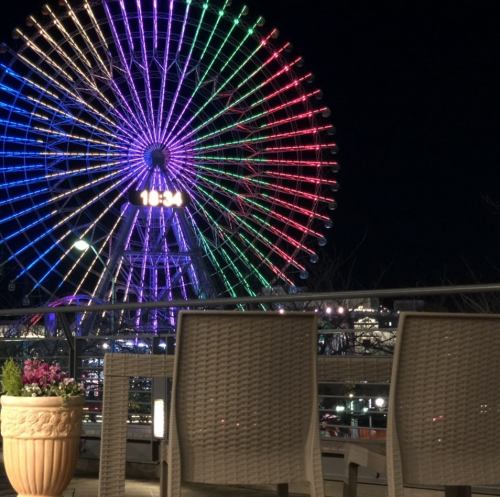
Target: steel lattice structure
point(102, 98)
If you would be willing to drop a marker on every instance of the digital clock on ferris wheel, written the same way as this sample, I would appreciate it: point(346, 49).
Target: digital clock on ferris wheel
point(156, 198)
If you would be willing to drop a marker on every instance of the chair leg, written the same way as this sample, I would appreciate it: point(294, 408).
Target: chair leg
point(163, 479)
point(283, 490)
point(351, 486)
point(462, 491)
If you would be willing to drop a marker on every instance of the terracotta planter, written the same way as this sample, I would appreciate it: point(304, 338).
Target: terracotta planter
point(40, 443)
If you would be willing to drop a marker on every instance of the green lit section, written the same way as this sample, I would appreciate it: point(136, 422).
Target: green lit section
point(256, 233)
point(220, 90)
point(263, 257)
point(224, 84)
point(237, 250)
point(238, 101)
point(214, 29)
point(203, 78)
point(213, 259)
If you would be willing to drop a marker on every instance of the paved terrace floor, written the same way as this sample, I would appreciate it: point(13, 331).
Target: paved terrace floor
point(371, 485)
point(87, 487)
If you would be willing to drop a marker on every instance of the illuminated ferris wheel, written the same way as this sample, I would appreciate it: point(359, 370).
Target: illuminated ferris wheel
point(179, 138)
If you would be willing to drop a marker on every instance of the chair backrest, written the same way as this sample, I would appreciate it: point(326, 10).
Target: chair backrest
point(444, 405)
point(244, 400)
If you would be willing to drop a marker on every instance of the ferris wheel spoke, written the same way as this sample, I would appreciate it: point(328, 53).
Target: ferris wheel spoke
point(228, 260)
point(66, 36)
point(52, 176)
point(164, 67)
point(291, 119)
point(57, 225)
point(83, 33)
point(263, 114)
point(78, 139)
point(266, 163)
point(66, 194)
point(26, 80)
point(266, 185)
point(238, 251)
point(249, 202)
point(9, 168)
point(83, 74)
point(98, 219)
point(27, 228)
point(145, 69)
point(211, 255)
point(316, 147)
point(265, 260)
point(310, 214)
point(172, 137)
point(251, 215)
point(35, 193)
point(186, 66)
point(95, 259)
point(296, 178)
point(43, 101)
point(252, 140)
point(43, 56)
point(125, 19)
point(130, 79)
point(67, 91)
point(20, 198)
point(228, 237)
point(20, 112)
point(248, 227)
point(207, 71)
point(183, 28)
point(102, 65)
point(233, 104)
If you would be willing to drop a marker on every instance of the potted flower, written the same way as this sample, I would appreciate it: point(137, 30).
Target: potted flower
point(40, 424)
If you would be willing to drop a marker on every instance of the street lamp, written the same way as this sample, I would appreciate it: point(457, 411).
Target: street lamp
point(82, 245)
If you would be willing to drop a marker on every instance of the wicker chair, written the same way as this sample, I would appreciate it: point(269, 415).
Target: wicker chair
point(444, 403)
point(244, 401)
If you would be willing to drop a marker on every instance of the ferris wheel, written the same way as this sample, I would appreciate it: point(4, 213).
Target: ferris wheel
point(180, 138)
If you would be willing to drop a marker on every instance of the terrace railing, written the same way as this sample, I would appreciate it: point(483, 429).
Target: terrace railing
point(355, 344)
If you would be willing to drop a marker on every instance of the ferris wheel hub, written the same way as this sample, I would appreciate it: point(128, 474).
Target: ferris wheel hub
point(157, 156)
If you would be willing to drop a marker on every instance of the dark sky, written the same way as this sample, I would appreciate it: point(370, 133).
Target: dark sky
point(415, 92)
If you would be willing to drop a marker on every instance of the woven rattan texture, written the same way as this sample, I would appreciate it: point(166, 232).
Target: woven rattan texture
point(113, 437)
point(244, 402)
point(126, 365)
point(445, 401)
point(117, 370)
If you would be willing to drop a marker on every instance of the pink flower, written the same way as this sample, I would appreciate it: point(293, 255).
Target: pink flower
point(43, 379)
point(42, 373)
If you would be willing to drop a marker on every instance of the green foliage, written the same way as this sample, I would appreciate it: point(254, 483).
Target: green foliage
point(12, 383)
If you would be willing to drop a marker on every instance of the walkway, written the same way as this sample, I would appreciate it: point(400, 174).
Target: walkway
point(87, 487)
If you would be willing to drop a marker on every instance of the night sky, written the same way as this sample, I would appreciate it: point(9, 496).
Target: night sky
point(415, 92)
